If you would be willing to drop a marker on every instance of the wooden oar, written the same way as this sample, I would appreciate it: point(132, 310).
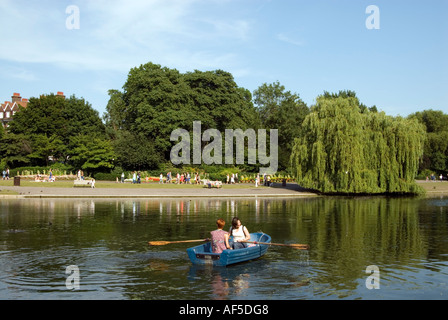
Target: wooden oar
point(293, 245)
point(162, 243)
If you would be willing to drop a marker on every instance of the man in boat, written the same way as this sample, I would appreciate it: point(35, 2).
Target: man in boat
point(220, 238)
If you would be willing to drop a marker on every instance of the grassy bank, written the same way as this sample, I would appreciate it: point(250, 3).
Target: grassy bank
point(115, 185)
point(434, 187)
point(8, 192)
point(431, 188)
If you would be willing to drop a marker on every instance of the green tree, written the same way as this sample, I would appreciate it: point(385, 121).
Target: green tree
point(115, 117)
point(43, 148)
point(51, 127)
point(342, 149)
point(435, 155)
point(44, 115)
point(135, 151)
point(2, 135)
point(92, 154)
point(81, 119)
point(157, 100)
point(14, 150)
point(282, 110)
point(219, 103)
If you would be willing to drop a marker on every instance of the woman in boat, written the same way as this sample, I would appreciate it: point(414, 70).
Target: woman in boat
point(220, 238)
point(239, 233)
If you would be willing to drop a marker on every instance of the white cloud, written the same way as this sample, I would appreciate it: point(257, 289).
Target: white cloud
point(236, 29)
point(17, 73)
point(117, 35)
point(285, 38)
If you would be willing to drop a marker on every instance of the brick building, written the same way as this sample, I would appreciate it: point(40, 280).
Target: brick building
point(9, 108)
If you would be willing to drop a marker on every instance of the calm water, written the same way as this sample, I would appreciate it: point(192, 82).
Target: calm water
point(406, 238)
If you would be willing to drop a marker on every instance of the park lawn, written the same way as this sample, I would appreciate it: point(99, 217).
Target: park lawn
point(434, 186)
point(8, 192)
point(115, 185)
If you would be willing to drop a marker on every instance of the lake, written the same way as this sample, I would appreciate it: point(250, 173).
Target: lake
point(360, 248)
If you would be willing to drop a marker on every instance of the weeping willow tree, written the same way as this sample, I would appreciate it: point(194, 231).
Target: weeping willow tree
point(347, 149)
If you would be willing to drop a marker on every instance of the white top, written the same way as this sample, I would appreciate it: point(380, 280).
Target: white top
point(238, 234)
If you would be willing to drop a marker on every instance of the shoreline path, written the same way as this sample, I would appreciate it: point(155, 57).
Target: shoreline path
point(433, 189)
point(290, 190)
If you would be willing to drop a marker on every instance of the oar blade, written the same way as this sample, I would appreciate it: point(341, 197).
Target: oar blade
point(158, 243)
point(300, 246)
point(292, 245)
point(162, 243)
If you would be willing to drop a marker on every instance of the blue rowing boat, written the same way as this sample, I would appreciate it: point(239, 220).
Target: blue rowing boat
point(203, 255)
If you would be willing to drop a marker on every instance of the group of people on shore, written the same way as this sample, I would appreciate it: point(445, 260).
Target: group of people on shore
point(136, 177)
point(51, 177)
point(220, 238)
point(195, 178)
point(266, 180)
point(433, 177)
point(182, 178)
point(5, 174)
point(79, 175)
point(232, 178)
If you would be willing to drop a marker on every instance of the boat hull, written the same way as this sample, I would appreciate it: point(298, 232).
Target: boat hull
point(202, 254)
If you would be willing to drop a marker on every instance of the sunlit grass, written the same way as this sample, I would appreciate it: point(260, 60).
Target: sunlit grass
point(115, 185)
point(434, 186)
point(8, 192)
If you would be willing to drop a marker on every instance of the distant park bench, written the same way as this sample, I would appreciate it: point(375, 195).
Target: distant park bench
point(211, 184)
point(82, 183)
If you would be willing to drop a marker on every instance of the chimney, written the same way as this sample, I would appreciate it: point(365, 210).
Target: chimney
point(16, 97)
point(61, 94)
point(24, 103)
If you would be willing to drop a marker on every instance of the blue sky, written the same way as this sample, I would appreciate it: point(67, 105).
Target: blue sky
point(308, 46)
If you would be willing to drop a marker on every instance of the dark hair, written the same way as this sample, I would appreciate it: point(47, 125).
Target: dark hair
point(235, 222)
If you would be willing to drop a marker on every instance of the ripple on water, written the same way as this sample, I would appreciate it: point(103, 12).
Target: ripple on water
point(26, 272)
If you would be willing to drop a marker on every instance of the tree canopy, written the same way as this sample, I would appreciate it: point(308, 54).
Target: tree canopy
point(435, 154)
point(157, 100)
point(282, 110)
point(55, 128)
point(344, 150)
point(338, 145)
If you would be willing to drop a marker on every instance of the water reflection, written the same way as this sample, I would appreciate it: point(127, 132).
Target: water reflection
point(407, 238)
point(226, 283)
